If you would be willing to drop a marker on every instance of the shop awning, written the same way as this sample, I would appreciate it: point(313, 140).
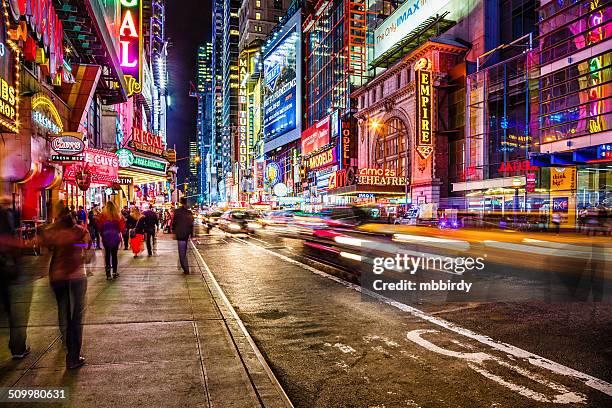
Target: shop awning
point(140, 177)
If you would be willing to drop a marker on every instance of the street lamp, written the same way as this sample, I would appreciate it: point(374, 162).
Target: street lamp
point(375, 126)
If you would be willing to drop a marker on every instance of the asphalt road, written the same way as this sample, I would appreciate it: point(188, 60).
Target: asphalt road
point(331, 346)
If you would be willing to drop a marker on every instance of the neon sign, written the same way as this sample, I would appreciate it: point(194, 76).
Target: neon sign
point(130, 44)
point(423, 114)
point(242, 115)
point(146, 142)
point(380, 177)
point(322, 159)
point(346, 144)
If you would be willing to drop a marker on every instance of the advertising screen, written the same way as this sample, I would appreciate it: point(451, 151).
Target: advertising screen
point(315, 136)
point(283, 87)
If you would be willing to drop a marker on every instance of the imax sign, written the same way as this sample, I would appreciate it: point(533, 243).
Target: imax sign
point(407, 18)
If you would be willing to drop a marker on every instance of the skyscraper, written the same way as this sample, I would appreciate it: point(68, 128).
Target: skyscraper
point(204, 120)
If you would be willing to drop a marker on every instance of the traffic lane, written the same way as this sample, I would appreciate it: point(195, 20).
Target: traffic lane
point(577, 333)
point(331, 347)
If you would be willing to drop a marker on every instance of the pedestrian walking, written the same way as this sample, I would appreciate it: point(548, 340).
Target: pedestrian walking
point(182, 225)
point(130, 223)
point(15, 288)
point(110, 225)
point(67, 241)
point(137, 233)
point(556, 220)
point(93, 225)
point(151, 223)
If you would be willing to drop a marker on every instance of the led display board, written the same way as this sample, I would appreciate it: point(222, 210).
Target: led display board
point(130, 44)
point(315, 136)
point(282, 99)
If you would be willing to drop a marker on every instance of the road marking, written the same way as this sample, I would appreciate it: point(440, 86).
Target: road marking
point(245, 332)
point(541, 250)
point(476, 362)
point(534, 359)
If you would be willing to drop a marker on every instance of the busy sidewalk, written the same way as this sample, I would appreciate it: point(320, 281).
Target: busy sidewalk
point(153, 337)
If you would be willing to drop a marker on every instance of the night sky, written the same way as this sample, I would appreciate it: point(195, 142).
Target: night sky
point(188, 24)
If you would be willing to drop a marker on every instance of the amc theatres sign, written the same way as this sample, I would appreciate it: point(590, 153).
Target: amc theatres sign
point(146, 142)
point(380, 177)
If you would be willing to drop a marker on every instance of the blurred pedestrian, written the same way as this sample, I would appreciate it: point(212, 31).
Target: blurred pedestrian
point(93, 225)
point(137, 233)
point(130, 223)
point(12, 282)
point(556, 221)
point(110, 225)
point(182, 225)
point(81, 216)
point(67, 242)
point(151, 223)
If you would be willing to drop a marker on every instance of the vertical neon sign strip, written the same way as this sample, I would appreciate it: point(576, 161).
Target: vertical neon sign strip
point(130, 44)
point(423, 113)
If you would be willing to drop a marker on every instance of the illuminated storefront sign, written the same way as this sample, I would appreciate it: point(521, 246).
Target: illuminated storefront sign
point(273, 173)
point(146, 142)
point(126, 157)
point(45, 115)
point(126, 181)
point(68, 145)
point(147, 163)
point(322, 159)
point(9, 77)
point(130, 44)
point(407, 18)
point(516, 166)
point(380, 177)
point(604, 151)
point(315, 136)
point(45, 28)
point(423, 113)
point(103, 166)
point(562, 178)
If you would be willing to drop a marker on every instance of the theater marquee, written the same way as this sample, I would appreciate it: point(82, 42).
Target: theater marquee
point(424, 92)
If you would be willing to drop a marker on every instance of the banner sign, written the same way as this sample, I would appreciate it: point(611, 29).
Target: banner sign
point(562, 178)
point(147, 163)
point(424, 145)
point(604, 151)
point(130, 44)
point(315, 136)
point(103, 166)
point(325, 158)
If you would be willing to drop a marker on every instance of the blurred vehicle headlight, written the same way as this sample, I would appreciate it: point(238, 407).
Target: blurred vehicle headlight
point(254, 225)
point(234, 226)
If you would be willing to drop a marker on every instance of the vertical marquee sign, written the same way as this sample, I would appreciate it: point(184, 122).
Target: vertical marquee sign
point(424, 142)
point(242, 114)
point(130, 44)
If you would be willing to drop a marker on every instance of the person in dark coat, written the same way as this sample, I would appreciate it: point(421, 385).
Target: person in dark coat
point(151, 223)
point(182, 226)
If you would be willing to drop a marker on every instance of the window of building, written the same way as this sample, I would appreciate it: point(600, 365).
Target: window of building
point(399, 80)
point(258, 16)
point(390, 148)
point(278, 4)
point(258, 3)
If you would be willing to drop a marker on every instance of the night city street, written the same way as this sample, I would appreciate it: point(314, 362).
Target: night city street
point(306, 203)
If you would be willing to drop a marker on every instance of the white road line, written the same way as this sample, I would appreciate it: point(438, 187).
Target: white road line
point(533, 359)
point(245, 332)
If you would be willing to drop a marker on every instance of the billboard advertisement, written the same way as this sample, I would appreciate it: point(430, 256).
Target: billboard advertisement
point(409, 16)
point(315, 136)
point(283, 86)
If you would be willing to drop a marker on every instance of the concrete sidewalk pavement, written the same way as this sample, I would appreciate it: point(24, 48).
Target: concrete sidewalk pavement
point(154, 337)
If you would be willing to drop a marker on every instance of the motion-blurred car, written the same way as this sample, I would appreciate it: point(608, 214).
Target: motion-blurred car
point(239, 221)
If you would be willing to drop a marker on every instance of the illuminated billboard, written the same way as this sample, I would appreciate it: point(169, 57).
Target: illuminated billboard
point(409, 16)
point(283, 86)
